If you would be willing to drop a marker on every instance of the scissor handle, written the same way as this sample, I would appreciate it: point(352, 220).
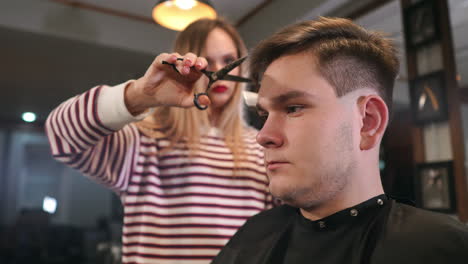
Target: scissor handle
point(197, 104)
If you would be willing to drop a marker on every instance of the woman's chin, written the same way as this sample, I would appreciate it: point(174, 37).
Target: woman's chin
point(219, 101)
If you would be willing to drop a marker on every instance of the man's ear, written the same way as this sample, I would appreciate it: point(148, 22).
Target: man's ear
point(374, 114)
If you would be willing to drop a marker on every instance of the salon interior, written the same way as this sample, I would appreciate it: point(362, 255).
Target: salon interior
point(53, 49)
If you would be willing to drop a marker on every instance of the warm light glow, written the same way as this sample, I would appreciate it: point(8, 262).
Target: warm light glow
point(185, 4)
point(458, 77)
point(29, 117)
point(169, 13)
point(49, 204)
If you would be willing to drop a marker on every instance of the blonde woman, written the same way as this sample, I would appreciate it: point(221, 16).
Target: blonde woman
point(188, 179)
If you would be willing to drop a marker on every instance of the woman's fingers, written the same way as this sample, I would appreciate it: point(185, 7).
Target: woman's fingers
point(204, 100)
point(174, 88)
point(201, 63)
point(187, 102)
point(185, 65)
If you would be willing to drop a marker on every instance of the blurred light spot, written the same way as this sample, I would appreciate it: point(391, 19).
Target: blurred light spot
point(185, 4)
point(381, 164)
point(29, 117)
point(49, 205)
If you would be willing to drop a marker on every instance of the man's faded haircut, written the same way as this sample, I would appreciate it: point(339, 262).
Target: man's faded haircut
point(346, 55)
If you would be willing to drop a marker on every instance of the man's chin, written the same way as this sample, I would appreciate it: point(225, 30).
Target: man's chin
point(291, 195)
point(281, 191)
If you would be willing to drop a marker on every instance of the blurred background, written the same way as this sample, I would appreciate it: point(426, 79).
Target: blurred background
point(51, 50)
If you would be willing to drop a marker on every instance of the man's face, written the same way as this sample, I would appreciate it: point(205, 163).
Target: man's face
point(310, 135)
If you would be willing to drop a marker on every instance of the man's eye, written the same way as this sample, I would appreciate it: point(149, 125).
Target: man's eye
point(262, 114)
point(290, 109)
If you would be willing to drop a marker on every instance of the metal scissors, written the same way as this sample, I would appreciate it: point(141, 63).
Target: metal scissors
point(213, 77)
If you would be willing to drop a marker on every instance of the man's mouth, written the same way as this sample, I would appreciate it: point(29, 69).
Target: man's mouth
point(219, 89)
point(275, 164)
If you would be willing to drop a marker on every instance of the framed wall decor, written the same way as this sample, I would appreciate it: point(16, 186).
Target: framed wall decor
point(420, 22)
point(428, 98)
point(435, 187)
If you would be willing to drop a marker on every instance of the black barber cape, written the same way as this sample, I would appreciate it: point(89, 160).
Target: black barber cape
point(379, 230)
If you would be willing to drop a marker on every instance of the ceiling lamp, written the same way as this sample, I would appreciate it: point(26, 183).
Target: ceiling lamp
point(178, 14)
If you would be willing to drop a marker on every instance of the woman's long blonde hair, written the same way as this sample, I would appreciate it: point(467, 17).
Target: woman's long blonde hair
point(187, 124)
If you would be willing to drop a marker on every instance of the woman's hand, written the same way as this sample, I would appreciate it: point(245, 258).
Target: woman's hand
point(163, 86)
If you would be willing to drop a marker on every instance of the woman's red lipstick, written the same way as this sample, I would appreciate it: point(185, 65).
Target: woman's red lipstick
point(219, 89)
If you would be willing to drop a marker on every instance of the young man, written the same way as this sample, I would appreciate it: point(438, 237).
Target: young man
point(325, 92)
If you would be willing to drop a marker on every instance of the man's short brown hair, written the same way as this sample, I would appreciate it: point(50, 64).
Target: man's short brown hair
point(347, 56)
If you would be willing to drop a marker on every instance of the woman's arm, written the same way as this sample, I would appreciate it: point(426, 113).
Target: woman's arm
point(90, 132)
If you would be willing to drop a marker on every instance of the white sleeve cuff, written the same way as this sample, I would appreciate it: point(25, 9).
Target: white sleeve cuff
point(112, 110)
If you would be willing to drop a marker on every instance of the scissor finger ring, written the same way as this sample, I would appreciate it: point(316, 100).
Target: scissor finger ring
point(197, 104)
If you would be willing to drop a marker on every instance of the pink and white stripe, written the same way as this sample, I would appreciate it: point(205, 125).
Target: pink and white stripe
point(178, 208)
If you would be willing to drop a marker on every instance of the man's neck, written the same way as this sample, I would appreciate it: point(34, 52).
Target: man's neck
point(324, 211)
point(357, 192)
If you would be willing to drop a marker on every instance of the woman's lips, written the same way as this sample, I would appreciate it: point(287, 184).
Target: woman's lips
point(219, 89)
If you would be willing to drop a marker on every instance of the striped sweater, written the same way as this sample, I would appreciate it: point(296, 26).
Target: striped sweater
point(177, 208)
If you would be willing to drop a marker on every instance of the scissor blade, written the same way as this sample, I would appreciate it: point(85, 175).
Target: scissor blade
point(224, 71)
point(235, 78)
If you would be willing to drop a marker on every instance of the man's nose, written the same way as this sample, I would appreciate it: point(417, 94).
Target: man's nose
point(271, 135)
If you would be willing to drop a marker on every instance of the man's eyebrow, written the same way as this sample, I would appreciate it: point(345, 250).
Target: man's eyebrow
point(291, 95)
point(282, 98)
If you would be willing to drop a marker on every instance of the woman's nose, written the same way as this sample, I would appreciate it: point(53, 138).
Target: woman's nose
point(215, 66)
